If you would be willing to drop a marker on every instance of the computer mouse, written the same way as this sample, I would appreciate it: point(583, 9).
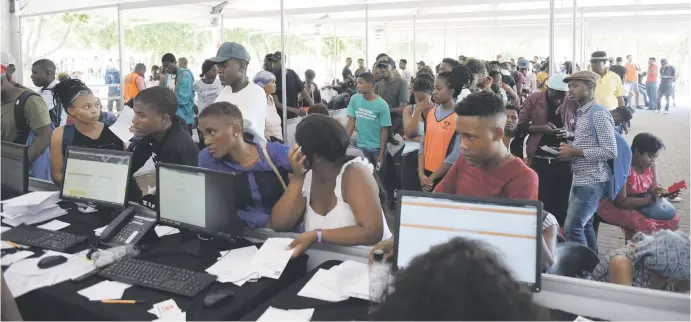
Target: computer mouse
point(216, 296)
point(50, 261)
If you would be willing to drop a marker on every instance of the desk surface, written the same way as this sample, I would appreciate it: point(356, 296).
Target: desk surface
point(348, 310)
point(61, 301)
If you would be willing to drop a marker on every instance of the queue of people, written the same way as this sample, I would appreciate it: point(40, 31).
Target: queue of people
point(463, 131)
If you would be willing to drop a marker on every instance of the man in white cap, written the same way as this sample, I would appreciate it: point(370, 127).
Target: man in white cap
point(232, 60)
point(548, 117)
point(7, 60)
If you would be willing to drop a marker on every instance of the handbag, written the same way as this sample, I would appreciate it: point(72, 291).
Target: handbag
point(661, 209)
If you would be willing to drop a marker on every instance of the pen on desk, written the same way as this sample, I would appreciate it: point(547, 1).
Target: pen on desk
point(15, 245)
point(120, 301)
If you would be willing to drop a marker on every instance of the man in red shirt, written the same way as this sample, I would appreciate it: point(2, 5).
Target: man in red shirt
point(486, 168)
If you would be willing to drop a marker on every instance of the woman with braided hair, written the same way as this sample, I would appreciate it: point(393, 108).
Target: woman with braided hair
point(87, 131)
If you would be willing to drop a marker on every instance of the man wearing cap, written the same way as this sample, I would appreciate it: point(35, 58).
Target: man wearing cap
point(420, 65)
point(609, 91)
point(523, 83)
point(8, 61)
point(232, 60)
point(549, 117)
point(590, 153)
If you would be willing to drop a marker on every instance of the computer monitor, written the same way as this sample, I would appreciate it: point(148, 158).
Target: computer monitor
point(15, 168)
point(198, 200)
point(511, 227)
point(96, 177)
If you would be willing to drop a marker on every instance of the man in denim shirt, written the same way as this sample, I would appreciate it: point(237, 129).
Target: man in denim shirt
point(591, 173)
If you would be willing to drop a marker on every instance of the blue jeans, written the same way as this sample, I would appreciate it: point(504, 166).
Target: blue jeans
point(371, 154)
point(583, 204)
point(651, 88)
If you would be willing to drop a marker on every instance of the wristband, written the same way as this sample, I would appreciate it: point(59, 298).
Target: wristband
point(319, 235)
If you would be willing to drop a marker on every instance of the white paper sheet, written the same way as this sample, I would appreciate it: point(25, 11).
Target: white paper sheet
point(323, 286)
point(272, 257)
point(98, 231)
point(232, 266)
point(274, 314)
point(175, 316)
point(25, 276)
point(166, 308)
point(121, 127)
point(5, 245)
point(148, 167)
point(353, 278)
point(4, 229)
point(54, 225)
point(165, 230)
point(40, 216)
point(10, 259)
point(106, 290)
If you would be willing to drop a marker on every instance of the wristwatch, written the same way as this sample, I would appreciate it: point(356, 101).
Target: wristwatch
point(319, 235)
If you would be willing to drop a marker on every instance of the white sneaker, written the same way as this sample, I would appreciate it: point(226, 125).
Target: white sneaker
point(675, 199)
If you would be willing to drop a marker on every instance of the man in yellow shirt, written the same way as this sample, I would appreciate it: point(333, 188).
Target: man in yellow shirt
point(609, 90)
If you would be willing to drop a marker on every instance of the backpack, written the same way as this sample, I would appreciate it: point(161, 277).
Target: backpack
point(40, 168)
point(621, 164)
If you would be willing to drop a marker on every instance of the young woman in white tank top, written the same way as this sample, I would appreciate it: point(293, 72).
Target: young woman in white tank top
point(337, 197)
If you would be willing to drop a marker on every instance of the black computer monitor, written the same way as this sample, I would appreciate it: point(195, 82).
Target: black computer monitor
point(198, 200)
point(511, 227)
point(15, 168)
point(96, 177)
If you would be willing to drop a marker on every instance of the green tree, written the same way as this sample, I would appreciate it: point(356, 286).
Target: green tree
point(44, 35)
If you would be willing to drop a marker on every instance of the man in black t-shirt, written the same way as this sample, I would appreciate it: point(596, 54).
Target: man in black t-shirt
point(619, 68)
point(347, 73)
point(294, 86)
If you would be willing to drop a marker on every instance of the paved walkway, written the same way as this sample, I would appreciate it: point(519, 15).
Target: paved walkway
point(672, 164)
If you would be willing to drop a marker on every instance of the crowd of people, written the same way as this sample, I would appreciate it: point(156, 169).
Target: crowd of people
point(501, 128)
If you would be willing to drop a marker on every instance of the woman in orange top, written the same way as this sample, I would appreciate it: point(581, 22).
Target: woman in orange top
point(440, 145)
point(134, 82)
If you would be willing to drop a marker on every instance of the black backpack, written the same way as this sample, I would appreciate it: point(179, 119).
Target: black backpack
point(20, 121)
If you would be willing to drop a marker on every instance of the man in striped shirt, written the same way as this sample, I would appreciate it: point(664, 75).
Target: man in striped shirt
point(591, 173)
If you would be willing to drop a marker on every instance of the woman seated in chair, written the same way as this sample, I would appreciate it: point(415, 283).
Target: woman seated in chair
point(338, 196)
point(87, 131)
point(265, 166)
point(658, 261)
point(550, 230)
point(637, 207)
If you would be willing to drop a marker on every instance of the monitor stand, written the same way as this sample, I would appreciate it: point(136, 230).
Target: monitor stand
point(201, 245)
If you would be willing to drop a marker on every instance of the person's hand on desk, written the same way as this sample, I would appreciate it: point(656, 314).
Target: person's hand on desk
point(386, 246)
point(303, 242)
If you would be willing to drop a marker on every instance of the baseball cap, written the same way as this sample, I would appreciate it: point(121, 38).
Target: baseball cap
point(584, 75)
point(523, 63)
point(385, 61)
point(556, 82)
point(231, 50)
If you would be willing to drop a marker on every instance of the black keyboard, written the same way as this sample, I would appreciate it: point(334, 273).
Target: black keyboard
point(158, 276)
point(49, 239)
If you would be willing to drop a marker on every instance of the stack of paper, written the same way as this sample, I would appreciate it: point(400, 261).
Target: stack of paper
point(274, 314)
point(349, 279)
point(168, 310)
point(32, 208)
point(232, 266)
point(323, 286)
point(54, 225)
point(106, 290)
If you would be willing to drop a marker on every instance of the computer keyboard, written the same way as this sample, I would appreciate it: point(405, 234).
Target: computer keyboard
point(49, 239)
point(158, 276)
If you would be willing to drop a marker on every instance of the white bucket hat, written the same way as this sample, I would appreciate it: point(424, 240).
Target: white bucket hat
point(556, 82)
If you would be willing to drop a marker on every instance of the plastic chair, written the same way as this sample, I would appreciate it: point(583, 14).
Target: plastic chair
point(573, 259)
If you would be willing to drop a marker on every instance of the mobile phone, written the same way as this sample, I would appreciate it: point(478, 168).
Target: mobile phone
point(674, 188)
point(549, 149)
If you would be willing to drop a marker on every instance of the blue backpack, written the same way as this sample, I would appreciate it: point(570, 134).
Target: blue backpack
point(621, 164)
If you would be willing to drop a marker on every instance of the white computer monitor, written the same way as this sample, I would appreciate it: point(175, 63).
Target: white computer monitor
point(98, 177)
point(510, 227)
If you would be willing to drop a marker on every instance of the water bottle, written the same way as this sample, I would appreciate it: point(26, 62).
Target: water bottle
point(378, 277)
point(106, 257)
